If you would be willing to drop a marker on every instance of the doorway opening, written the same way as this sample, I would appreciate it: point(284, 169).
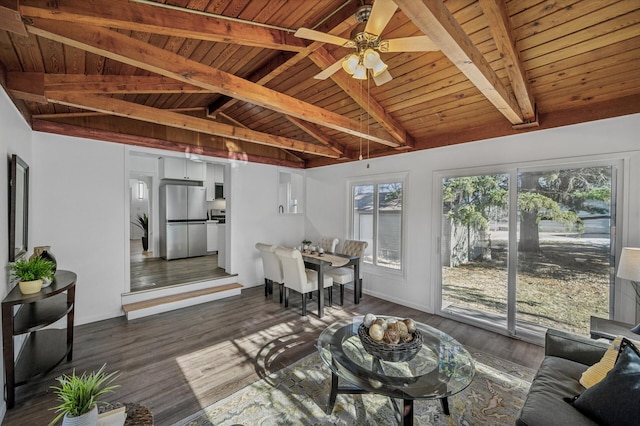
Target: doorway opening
point(149, 271)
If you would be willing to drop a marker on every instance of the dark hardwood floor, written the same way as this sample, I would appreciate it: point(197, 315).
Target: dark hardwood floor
point(178, 362)
point(149, 272)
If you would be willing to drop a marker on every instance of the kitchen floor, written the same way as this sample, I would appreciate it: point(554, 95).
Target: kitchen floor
point(149, 272)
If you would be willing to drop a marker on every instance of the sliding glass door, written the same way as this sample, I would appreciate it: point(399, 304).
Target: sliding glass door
point(474, 249)
point(564, 247)
point(528, 249)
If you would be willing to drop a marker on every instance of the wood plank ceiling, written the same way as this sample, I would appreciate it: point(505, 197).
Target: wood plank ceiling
point(230, 78)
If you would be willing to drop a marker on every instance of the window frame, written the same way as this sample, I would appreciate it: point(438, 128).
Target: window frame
point(376, 180)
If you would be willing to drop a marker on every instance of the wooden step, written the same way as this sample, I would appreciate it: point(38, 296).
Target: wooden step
point(181, 300)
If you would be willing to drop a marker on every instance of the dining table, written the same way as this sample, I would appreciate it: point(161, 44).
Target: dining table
point(326, 261)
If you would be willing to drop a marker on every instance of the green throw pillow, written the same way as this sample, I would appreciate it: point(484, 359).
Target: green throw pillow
point(616, 399)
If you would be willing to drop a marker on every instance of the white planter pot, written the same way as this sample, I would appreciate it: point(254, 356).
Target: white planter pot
point(30, 287)
point(87, 419)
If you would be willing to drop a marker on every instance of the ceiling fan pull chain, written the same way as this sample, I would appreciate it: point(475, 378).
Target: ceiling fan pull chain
point(360, 136)
point(369, 119)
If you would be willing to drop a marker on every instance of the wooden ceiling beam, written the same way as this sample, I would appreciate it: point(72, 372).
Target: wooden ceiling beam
point(38, 83)
point(344, 21)
point(100, 114)
point(127, 15)
point(19, 103)
point(316, 133)
point(264, 72)
point(10, 19)
point(116, 46)
point(501, 30)
point(323, 59)
point(28, 86)
point(434, 19)
point(137, 140)
point(171, 119)
point(338, 24)
point(235, 122)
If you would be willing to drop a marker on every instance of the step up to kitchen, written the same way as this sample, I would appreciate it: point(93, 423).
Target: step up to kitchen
point(181, 300)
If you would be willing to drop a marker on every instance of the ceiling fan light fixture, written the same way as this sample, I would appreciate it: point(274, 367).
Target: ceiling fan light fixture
point(360, 73)
point(379, 68)
point(370, 58)
point(350, 63)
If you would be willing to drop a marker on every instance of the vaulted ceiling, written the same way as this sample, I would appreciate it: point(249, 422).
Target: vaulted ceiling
point(230, 79)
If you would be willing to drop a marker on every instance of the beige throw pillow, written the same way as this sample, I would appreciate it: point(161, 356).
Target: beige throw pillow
point(599, 370)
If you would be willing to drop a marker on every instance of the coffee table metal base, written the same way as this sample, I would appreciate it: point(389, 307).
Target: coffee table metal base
point(404, 417)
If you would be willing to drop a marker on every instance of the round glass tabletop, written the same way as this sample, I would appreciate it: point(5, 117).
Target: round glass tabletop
point(441, 368)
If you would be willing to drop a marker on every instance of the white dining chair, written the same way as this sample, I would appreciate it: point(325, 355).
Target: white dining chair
point(272, 268)
point(344, 275)
point(296, 277)
point(328, 244)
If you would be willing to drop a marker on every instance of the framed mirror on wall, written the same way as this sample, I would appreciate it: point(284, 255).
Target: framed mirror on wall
point(18, 207)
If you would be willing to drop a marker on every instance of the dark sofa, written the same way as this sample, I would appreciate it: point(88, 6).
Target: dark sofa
point(567, 356)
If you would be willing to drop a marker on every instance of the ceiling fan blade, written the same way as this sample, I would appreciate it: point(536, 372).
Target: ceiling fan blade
point(408, 44)
point(383, 78)
point(321, 37)
point(328, 72)
point(381, 13)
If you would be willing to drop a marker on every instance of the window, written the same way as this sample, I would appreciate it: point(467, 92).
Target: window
point(377, 218)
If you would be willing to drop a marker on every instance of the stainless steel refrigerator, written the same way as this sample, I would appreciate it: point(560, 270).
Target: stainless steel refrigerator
point(183, 221)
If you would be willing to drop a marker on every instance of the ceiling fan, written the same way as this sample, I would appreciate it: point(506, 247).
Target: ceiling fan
point(365, 39)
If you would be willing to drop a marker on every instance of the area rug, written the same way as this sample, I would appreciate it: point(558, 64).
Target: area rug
point(298, 395)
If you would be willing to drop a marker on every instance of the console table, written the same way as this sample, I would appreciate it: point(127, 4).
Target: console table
point(30, 313)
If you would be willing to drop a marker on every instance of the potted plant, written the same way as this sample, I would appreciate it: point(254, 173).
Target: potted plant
point(31, 272)
point(305, 244)
point(78, 396)
point(143, 223)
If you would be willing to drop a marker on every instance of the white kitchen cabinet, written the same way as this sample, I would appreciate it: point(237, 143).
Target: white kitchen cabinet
point(212, 237)
point(215, 177)
point(218, 173)
point(181, 169)
point(222, 260)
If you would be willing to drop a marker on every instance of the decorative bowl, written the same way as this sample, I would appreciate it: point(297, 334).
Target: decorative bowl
point(388, 352)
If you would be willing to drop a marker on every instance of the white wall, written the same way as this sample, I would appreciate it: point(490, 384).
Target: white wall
point(327, 194)
point(253, 208)
point(79, 188)
point(15, 138)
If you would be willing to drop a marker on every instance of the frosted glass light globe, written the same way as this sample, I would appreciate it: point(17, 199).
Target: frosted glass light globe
point(371, 58)
point(360, 72)
point(350, 63)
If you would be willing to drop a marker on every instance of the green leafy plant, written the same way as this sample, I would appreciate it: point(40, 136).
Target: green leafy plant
point(306, 242)
point(78, 394)
point(32, 269)
point(143, 223)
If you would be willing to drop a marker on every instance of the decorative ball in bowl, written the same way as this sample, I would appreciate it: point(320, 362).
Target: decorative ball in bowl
point(390, 339)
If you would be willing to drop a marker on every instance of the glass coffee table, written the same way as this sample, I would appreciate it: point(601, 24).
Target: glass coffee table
point(440, 369)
